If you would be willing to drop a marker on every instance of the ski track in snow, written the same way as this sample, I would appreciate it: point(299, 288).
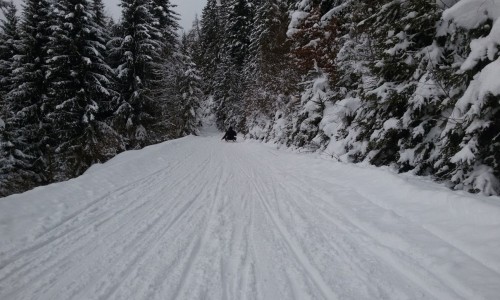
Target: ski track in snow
point(213, 220)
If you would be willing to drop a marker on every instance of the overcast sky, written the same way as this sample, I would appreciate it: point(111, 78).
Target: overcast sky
point(186, 8)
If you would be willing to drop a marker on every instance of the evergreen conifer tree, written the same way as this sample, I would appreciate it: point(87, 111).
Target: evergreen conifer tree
point(26, 125)
point(16, 174)
point(267, 67)
point(216, 62)
point(401, 108)
point(9, 46)
point(193, 45)
point(138, 52)
point(78, 84)
point(167, 24)
point(470, 142)
point(238, 16)
point(211, 40)
point(185, 110)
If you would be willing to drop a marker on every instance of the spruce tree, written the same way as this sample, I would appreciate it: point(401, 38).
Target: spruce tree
point(470, 142)
point(103, 30)
point(216, 62)
point(267, 65)
point(238, 16)
point(138, 52)
point(100, 17)
point(314, 51)
point(185, 110)
point(211, 40)
point(27, 126)
point(78, 84)
point(167, 24)
point(400, 109)
point(9, 46)
point(238, 28)
point(268, 74)
point(16, 173)
point(193, 45)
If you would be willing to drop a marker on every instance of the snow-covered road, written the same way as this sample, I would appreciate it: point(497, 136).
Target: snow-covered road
point(197, 218)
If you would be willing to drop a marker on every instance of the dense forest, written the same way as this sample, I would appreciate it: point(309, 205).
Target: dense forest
point(78, 88)
point(409, 84)
point(413, 85)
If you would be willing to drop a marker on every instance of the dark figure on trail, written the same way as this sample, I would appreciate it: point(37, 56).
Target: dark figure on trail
point(230, 135)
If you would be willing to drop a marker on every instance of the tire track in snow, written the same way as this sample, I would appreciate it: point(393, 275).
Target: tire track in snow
point(146, 237)
point(53, 252)
point(343, 247)
point(195, 198)
point(201, 240)
point(295, 249)
point(393, 253)
point(373, 201)
point(237, 257)
point(150, 246)
point(289, 194)
point(48, 237)
point(346, 223)
point(416, 272)
point(232, 223)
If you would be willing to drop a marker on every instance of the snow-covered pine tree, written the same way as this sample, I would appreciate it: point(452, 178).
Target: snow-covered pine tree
point(216, 68)
point(403, 106)
point(78, 79)
point(9, 46)
point(185, 110)
point(16, 174)
point(166, 92)
point(269, 49)
point(16, 167)
point(314, 49)
point(238, 29)
point(113, 58)
point(268, 72)
point(236, 41)
point(470, 153)
point(313, 101)
point(211, 36)
point(138, 52)
point(100, 17)
point(26, 124)
point(313, 37)
point(103, 32)
point(167, 24)
point(337, 135)
point(193, 43)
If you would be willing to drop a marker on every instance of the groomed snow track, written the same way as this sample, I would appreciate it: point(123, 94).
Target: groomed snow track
point(197, 218)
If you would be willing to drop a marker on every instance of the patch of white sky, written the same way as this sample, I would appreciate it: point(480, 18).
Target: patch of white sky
point(187, 10)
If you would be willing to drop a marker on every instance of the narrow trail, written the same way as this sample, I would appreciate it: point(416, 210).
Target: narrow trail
point(198, 218)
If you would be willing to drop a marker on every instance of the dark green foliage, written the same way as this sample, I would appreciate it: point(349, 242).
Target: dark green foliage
point(405, 100)
point(9, 47)
point(78, 83)
point(138, 52)
point(26, 99)
point(185, 107)
point(166, 24)
point(16, 172)
point(72, 96)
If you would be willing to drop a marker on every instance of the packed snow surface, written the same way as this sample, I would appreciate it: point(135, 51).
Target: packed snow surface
point(199, 218)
